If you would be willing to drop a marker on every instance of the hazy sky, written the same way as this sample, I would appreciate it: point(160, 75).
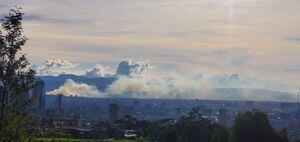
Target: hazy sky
point(251, 37)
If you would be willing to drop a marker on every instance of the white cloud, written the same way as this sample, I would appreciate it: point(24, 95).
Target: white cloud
point(97, 71)
point(54, 67)
point(125, 68)
point(130, 68)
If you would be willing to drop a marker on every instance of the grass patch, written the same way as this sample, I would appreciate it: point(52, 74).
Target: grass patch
point(79, 140)
point(62, 140)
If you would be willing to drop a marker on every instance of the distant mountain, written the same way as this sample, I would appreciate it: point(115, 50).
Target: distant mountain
point(250, 94)
point(54, 82)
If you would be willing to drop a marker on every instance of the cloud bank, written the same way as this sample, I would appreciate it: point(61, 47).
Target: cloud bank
point(126, 67)
point(54, 67)
point(97, 71)
point(130, 68)
point(135, 81)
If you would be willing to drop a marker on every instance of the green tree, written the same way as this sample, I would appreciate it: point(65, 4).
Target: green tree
point(250, 127)
point(221, 134)
point(169, 134)
point(15, 79)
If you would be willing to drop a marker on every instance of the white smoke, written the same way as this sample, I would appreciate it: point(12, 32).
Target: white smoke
point(54, 67)
point(195, 88)
point(161, 87)
point(170, 88)
point(130, 68)
point(71, 88)
point(133, 81)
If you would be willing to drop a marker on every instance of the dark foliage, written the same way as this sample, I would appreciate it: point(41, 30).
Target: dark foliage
point(247, 127)
point(15, 80)
point(250, 127)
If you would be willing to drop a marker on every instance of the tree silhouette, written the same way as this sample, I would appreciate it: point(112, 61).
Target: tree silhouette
point(250, 127)
point(15, 78)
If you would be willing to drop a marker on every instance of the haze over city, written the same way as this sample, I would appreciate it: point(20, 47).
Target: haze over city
point(180, 38)
point(149, 70)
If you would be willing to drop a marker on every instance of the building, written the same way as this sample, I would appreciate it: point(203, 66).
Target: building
point(54, 113)
point(66, 123)
point(58, 111)
point(37, 93)
point(58, 101)
point(113, 112)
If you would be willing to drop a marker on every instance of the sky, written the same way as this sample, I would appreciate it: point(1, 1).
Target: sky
point(252, 38)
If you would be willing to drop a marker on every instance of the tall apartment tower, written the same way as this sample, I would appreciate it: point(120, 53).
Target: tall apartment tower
point(58, 101)
point(38, 94)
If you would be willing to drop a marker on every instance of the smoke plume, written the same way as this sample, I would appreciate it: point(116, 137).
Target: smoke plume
point(173, 88)
point(133, 81)
point(71, 88)
point(229, 87)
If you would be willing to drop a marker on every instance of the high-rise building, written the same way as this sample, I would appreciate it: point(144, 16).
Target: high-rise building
point(113, 112)
point(58, 101)
point(38, 94)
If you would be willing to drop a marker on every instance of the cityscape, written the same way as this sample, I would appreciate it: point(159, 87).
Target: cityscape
point(149, 71)
point(73, 113)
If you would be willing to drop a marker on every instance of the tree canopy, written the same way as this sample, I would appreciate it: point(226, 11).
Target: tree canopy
point(15, 79)
point(250, 127)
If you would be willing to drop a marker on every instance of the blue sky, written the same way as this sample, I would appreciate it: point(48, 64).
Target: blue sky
point(259, 38)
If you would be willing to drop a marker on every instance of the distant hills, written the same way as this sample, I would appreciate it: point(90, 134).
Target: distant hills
point(54, 82)
point(251, 94)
